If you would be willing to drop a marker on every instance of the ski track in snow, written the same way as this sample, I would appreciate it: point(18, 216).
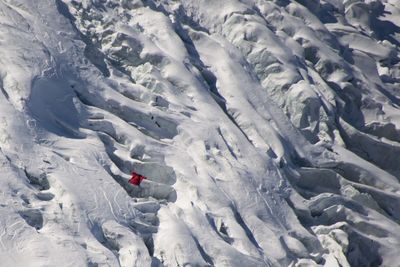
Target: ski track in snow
point(269, 131)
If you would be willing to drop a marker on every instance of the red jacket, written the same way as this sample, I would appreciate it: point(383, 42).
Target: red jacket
point(136, 178)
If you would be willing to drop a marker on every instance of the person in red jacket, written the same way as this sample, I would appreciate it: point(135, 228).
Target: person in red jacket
point(136, 178)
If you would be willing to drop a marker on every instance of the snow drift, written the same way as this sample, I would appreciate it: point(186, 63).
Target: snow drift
point(269, 132)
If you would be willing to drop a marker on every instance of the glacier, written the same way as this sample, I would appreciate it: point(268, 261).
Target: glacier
point(269, 132)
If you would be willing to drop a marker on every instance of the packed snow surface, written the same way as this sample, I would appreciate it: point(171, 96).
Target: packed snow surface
point(269, 132)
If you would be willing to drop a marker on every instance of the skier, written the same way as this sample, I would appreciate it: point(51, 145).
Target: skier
point(136, 178)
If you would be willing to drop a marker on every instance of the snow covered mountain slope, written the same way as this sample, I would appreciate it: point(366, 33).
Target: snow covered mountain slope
point(269, 132)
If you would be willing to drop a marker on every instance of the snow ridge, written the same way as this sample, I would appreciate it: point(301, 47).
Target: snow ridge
point(268, 130)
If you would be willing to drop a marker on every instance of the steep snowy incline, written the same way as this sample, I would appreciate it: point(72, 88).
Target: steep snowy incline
point(268, 130)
